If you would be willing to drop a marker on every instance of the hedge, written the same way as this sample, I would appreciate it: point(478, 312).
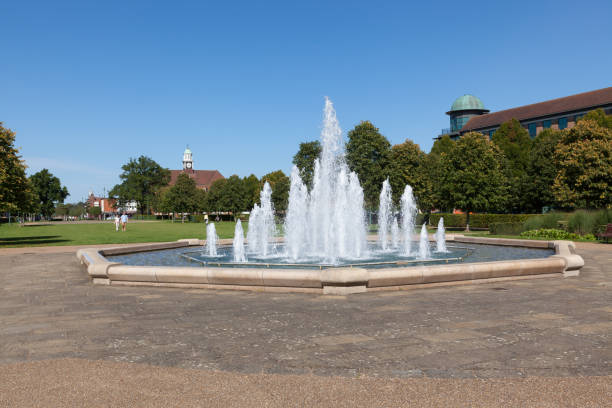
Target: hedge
point(506, 228)
point(478, 220)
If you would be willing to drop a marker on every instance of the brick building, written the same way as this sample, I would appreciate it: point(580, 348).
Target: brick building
point(203, 178)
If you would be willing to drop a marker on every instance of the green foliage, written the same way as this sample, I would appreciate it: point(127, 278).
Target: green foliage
point(214, 198)
point(233, 196)
point(182, 197)
point(541, 170)
point(442, 145)
point(548, 221)
point(408, 166)
point(251, 191)
point(367, 154)
point(472, 176)
point(280, 185)
point(505, 228)
point(599, 117)
point(555, 234)
point(94, 211)
point(305, 158)
point(48, 191)
point(584, 164)
point(478, 220)
point(582, 222)
point(142, 180)
point(15, 189)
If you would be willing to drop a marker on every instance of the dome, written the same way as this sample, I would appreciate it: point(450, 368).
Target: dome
point(467, 102)
point(187, 151)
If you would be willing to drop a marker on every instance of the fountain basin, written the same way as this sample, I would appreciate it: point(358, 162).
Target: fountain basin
point(337, 280)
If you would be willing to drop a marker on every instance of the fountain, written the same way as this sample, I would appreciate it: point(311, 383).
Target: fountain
point(409, 210)
point(424, 252)
point(262, 229)
point(384, 215)
point(394, 233)
point(211, 240)
point(441, 237)
point(238, 243)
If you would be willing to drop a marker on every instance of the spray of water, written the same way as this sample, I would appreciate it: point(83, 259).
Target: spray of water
point(409, 210)
point(211, 240)
point(441, 237)
point(262, 229)
point(384, 215)
point(395, 234)
point(424, 252)
point(238, 244)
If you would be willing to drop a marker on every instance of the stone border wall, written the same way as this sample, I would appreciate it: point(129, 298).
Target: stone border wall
point(348, 280)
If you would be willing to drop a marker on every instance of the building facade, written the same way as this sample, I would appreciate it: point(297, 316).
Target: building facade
point(468, 113)
point(203, 178)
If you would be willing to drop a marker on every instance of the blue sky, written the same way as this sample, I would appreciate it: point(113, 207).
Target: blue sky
point(88, 84)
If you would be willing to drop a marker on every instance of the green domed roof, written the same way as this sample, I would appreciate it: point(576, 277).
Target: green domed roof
point(187, 150)
point(467, 102)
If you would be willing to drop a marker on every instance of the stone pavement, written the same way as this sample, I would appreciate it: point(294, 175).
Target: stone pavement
point(532, 328)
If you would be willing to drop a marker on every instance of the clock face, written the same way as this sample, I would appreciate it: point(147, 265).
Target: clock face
point(188, 165)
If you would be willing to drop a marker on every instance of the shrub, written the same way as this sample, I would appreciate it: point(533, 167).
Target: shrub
point(548, 221)
point(506, 228)
point(582, 222)
point(555, 234)
point(478, 220)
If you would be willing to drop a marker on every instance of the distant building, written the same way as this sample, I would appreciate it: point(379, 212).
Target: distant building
point(203, 178)
point(468, 114)
point(109, 205)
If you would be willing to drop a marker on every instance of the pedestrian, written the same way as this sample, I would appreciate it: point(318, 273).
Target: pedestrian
point(124, 219)
point(117, 222)
point(206, 218)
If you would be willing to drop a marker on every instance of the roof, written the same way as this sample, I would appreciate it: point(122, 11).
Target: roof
point(571, 103)
point(203, 178)
point(467, 102)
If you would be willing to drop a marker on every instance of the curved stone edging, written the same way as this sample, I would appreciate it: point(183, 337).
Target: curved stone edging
point(565, 262)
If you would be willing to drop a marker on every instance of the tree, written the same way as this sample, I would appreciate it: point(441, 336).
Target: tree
point(442, 145)
point(142, 180)
point(541, 170)
point(407, 166)
point(15, 189)
point(433, 168)
point(48, 192)
point(182, 197)
point(584, 167)
point(515, 144)
point(367, 154)
point(473, 175)
point(251, 191)
point(280, 184)
point(600, 117)
point(305, 158)
point(214, 201)
point(94, 211)
point(233, 195)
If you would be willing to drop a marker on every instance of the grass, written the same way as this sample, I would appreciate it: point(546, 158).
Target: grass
point(104, 233)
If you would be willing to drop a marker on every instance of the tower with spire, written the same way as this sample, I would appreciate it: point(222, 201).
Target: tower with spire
point(187, 160)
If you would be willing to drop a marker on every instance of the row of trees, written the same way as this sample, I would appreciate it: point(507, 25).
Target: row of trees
point(38, 194)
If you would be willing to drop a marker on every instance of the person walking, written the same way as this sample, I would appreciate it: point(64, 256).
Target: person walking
point(117, 222)
point(124, 219)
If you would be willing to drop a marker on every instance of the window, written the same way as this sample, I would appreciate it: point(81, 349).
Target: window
point(532, 130)
point(491, 133)
point(562, 123)
point(546, 124)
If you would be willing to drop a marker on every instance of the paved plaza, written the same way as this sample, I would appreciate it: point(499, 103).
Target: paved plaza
point(548, 339)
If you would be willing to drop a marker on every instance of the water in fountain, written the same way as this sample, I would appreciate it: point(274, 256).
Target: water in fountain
point(384, 215)
point(440, 237)
point(409, 210)
point(211, 240)
point(262, 229)
point(424, 244)
point(394, 234)
point(238, 244)
point(332, 215)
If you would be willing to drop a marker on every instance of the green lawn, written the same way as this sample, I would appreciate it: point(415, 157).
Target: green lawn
point(83, 234)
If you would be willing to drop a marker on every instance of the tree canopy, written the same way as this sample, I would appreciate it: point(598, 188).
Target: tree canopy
point(280, 184)
point(48, 192)
point(142, 180)
point(15, 189)
point(305, 158)
point(182, 197)
point(367, 154)
point(600, 117)
point(407, 166)
point(541, 171)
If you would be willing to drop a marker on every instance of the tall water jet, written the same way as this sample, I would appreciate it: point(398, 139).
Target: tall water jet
point(211, 240)
point(238, 244)
point(441, 237)
point(394, 233)
point(384, 215)
point(262, 228)
point(424, 243)
point(296, 221)
point(409, 210)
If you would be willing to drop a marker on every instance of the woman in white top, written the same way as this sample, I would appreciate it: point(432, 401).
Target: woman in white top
point(117, 220)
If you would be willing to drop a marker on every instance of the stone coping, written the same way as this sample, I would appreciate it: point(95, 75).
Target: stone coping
point(341, 280)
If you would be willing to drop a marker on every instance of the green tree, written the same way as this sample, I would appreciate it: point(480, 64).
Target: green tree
point(233, 196)
point(473, 176)
point(305, 158)
point(94, 211)
point(214, 196)
point(442, 145)
point(280, 184)
point(434, 171)
point(15, 189)
point(367, 154)
point(182, 197)
point(76, 210)
point(600, 117)
point(48, 192)
point(142, 180)
point(407, 166)
point(251, 191)
point(541, 170)
point(515, 144)
point(584, 167)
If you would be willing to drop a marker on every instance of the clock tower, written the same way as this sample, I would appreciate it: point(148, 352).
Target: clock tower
point(187, 160)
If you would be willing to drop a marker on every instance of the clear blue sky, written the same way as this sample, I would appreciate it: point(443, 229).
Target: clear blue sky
point(88, 84)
